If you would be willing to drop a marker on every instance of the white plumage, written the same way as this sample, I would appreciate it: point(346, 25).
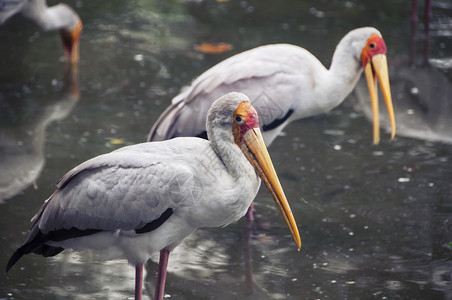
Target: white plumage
point(148, 197)
point(284, 82)
point(126, 189)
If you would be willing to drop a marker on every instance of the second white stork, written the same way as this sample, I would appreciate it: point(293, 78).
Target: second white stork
point(145, 198)
point(59, 17)
point(285, 83)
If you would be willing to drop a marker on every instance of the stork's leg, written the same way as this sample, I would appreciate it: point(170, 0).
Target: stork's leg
point(249, 213)
point(427, 18)
point(248, 265)
point(413, 11)
point(138, 281)
point(161, 277)
point(413, 31)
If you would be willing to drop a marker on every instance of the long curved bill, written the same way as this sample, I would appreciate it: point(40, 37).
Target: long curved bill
point(71, 40)
point(378, 68)
point(253, 147)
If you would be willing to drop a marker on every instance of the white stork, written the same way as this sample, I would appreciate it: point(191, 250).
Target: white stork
point(60, 16)
point(148, 197)
point(285, 83)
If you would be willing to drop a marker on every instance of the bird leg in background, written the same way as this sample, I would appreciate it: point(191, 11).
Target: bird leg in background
point(249, 213)
point(427, 18)
point(161, 277)
point(414, 21)
point(138, 281)
point(248, 266)
point(413, 31)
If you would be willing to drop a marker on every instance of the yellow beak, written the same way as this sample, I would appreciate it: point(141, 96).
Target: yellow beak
point(378, 68)
point(253, 147)
point(71, 43)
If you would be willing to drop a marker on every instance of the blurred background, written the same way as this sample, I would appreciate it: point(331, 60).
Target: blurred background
point(376, 221)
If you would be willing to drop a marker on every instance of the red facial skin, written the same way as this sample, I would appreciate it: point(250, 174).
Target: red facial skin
point(250, 120)
point(375, 45)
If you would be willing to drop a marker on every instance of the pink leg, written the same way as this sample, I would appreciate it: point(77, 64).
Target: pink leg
point(427, 18)
point(248, 265)
point(413, 30)
point(249, 213)
point(413, 11)
point(161, 277)
point(138, 281)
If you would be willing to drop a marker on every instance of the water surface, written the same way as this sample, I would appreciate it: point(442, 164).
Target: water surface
point(376, 221)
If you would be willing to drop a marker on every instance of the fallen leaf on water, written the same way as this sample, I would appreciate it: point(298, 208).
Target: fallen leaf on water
point(117, 141)
point(213, 48)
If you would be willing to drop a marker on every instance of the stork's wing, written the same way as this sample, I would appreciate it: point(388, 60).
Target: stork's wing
point(263, 74)
point(134, 188)
point(125, 189)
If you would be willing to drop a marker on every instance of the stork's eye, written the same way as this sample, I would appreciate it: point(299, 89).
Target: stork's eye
point(372, 45)
point(239, 119)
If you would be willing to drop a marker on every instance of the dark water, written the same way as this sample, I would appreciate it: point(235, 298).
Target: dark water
point(376, 221)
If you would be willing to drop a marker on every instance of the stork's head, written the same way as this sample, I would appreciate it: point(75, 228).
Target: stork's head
point(238, 122)
point(70, 38)
point(374, 62)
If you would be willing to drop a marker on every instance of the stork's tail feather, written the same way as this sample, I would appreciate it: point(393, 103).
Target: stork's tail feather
point(163, 128)
point(14, 258)
point(36, 245)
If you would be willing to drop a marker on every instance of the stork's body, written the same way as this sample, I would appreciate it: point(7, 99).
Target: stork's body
point(284, 82)
point(146, 198)
point(59, 17)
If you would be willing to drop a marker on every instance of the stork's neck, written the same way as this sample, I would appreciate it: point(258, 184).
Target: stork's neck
point(343, 75)
point(233, 158)
point(60, 16)
point(335, 84)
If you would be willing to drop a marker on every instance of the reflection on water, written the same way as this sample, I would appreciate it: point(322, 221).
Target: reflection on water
point(22, 138)
point(421, 90)
point(423, 108)
point(105, 280)
point(375, 221)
